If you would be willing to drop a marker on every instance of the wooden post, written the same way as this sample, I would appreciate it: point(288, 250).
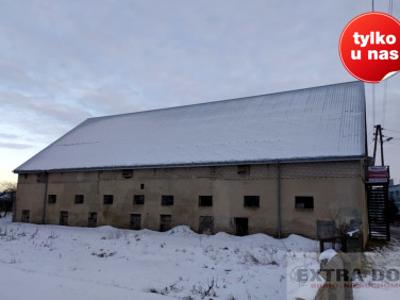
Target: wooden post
point(375, 144)
point(381, 141)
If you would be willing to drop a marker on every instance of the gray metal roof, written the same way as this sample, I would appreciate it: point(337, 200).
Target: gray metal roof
point(319, 123)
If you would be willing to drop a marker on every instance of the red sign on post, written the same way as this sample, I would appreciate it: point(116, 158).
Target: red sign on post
point(378, 174)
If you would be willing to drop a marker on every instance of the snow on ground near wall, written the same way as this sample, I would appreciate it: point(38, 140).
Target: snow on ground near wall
point(381, 258)
point(327, 255)
point(55, 262)
point(28, 284)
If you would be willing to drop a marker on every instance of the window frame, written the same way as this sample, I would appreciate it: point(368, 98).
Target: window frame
point(305, 206)
point(243, 169)
point(79, 199)
point(138, 199)
point(106, 198)
point(127, 173)
point(167, 200)
point(251, 201)
point(52, 199)
point(206, 198)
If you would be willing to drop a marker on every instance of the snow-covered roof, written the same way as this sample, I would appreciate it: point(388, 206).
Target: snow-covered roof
point(319, 123)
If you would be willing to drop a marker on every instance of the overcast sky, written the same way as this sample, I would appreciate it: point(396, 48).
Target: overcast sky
point(64, 61)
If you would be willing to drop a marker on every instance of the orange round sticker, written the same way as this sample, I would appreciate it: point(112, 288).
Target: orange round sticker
point(369, 47)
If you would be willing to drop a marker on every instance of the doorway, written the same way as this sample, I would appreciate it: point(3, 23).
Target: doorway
point(92, 219)
point(165, 222)
point(242, 226)
point(64, 218)
point(136, 222)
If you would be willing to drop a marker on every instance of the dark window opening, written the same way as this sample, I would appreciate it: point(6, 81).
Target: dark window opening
point(213, 171)
point(304, 202)
point(243, 169)
point(127, 173)
point(142, 186)
point(252, 201)
point(41, 177)
point(165, 222)
point(51, 199)
point(205, 200)
point(138, 199)
point(136, 222)
point(63, 218)
point(79, 199)
point(92, 219)
point(25, 216)
point(206, 225)
point(167, 200)
point(108, 199)
point(241, 226)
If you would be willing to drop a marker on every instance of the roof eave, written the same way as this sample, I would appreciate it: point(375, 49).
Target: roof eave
point(202, 164)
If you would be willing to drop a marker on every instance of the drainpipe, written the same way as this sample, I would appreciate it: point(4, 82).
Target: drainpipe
point(46, 178)
point(279, 229)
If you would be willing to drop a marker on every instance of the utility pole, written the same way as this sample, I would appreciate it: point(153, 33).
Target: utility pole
point(378, 135)
point(375, 144)
point(381, 142)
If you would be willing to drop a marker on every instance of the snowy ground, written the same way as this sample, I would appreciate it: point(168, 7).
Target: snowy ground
point(383, 258)
point(55, 262)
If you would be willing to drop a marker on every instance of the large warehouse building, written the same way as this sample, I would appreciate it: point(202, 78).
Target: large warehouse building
point(272, 163)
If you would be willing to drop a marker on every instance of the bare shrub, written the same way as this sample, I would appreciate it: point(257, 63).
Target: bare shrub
point(206, 289)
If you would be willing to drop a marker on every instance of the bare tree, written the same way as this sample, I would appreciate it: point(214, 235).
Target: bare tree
point(7, 203)
point(8, 186)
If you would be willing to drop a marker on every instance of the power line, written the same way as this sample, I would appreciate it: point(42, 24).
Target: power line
point(391, 139)
point(385, 84)
point(394, 143)
point(392, 130)
point(385, 88)
point(373, 104)
point(390, 9)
